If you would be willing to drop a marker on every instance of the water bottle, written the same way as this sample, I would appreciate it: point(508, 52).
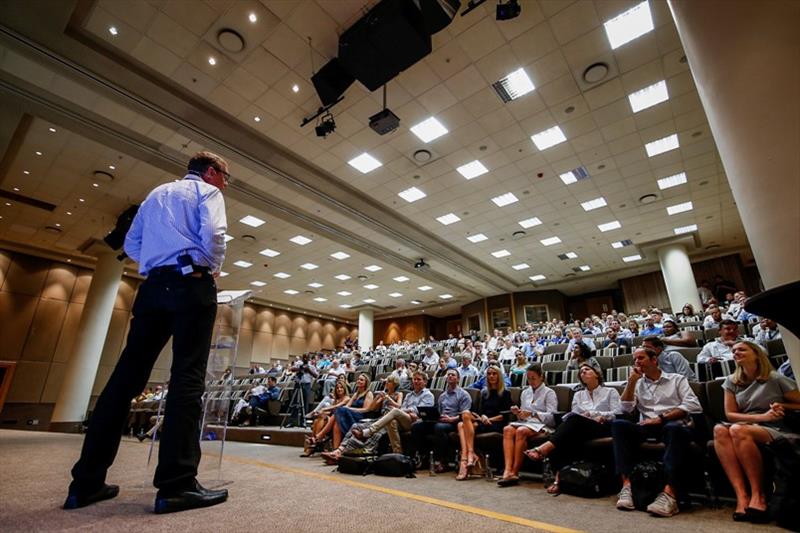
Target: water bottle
point(431, 465)
point(548, 478)
point(489, 472)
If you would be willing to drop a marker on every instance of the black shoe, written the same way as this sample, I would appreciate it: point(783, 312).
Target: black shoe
point(740, 517)
point(77, 499)
point(756, 516)
point(191, 498)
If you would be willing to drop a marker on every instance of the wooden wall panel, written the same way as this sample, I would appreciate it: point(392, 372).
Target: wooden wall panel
point(262, 346)
point(283, 323)
point(43, 333)
point(265, 320)
point(101, 378)
point(115, 337)
point(314, 335)
point(245, 352)
point(729, 267)
point(29, 380)
point(328, 336)
point(342, 332)
point(82, 283)
point(297, 345)
point(5, 263)
point(280, 346)
point(643, 291)
point(68, 334)
point(125, 293)
point(60, 282)
point(411, 328)
point(299, 326)
point(164, 361)
point(249, 316)
point(26, 275)
point(53, 382)
point(17, 311)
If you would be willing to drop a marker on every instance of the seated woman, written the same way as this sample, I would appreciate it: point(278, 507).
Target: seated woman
point(688, 314)
point(633, 326)
point(756, 401)
point(345, 416)
point(593, 409)
point(323, 416)
point(489, 419)
point(520, 365)
point(534, 418)
point(582, 354)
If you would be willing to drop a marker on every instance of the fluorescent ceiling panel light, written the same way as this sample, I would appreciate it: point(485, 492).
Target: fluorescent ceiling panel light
point(472, 169)
point(679, 208)
point(449, 218)
point(501, 253)
point(315, 285)
point(550, 241)
point(371, 286)
point(568, 177)
point(395, 294)
point(282, 275)
point(345, 306)
point(445, 296)
point(342, 277)
point(364, 163)
point(660, 146)
point(672, 181)
point(228, 237)
point(299, 239)
point(428, 130)
point(521, 266)
point(222, 274)
point(685, 229)
point(411, 195)
point(529, 222)
point(478, 237)
point(320, 299)
point(250, 220)
point(617, 244)
point(630, 258)
point(537, 277)
point(571, 255)
point(309, 266)
point(415, 302)
point(269, 252)
point(505, 199)
point(597, 203)
point(340, 255)
point(257, 283)
point(344, 293)
point(425, 288)
point(608, 226)
point(547, 138)
point(243, 264)
point(585, 268)
point(368, 301)
point(649, 96)
point(514, 85)
point(291, 291)
point(629, 25)
point(401, 279)
point(373, 268)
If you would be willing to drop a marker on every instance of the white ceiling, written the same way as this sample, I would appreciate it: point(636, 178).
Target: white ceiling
point(553, 41)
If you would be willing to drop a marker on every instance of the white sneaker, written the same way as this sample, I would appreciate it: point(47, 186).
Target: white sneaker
point(663, 505)
point(625, 500)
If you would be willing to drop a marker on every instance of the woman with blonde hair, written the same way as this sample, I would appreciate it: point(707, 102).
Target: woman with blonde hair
point(756, 400)
point(323, 416)
point(362, 401)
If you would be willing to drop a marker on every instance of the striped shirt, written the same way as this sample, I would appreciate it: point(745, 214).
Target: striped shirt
point(186, 216)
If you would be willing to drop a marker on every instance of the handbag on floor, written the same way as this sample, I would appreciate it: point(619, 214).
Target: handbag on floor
point(647, 482)
point(393, 465)
point(585, 479)
point(357, 466)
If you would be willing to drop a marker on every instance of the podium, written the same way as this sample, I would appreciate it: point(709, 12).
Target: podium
point(219, 393)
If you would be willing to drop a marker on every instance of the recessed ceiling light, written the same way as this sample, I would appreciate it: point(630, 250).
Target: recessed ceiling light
point(342, 277)
point(411, 195)
point(16, 189)
point(679, 208)
point(291, 291)
point(550, 241)
point(113, 30)
point(257, 283)
point(547, 138)
point(269, 252)
point(448, 219)
point(320, 299)
point(395, 294)
point(222, 273)
point(505, 199)
point(309, 266)
point(112, 167)
point(26, 172)
point(585, 268)
point(69, 213)
point(371, 286)
point(425, 288)
point(594, 204)
point(282, 275)
point(415, 302)
point(242, 263)
point(8, 204)
point(51, 129)
point(445, 296)
point(368, 301)
point(58, 225)
point(81, 200)
point(340, 255)
point(428, 130)
point(472, 170)
point(617, 244)
point(568, 177)
point(228, 237)
point(252, 221)
point(300, 239)
point(252, 17)
point(501, 253)
point(537, 277)
point(685, 229)
point(345, 306)
point(344, 293)
point(38, 152)
point(629, 25)
point(373, 268)
point(571, 255)
point(660, 146)
point(672, 181)
point(649, 96)
point(401, 279)
point(529, 222)
point(608, 226)
point(514, 85)
point(364, 163)
point(630, 258)
point(212, 60)
point(95, 185)
point(315, 285)
point(257, 118)
point(478, 237)
point(521, 266)
point(295, 88)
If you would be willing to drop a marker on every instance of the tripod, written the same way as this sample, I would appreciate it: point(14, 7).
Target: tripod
point(297, 407)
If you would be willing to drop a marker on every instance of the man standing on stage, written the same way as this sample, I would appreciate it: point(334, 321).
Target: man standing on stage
point(178, 240)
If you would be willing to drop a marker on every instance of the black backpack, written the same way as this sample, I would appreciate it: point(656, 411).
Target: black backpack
point(647, 481)
point(585, 479)
point(357, 466)
point(393, 465)
point(785, 499)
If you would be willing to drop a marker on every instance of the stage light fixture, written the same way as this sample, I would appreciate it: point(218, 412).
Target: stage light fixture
point(325, 126)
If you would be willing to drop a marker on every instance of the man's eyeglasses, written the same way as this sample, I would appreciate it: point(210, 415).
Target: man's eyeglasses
point(225, 175)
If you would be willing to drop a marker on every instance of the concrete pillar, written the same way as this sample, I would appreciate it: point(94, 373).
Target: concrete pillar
point(678, 277)
point(366, 318)
point(73, 397)
point(744, 58)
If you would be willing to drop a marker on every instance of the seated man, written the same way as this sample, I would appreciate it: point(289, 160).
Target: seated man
point(714, 318)
point(766, 330)
point(664, 402)
point(669, 361)
point(330, 375)
point(508, 352)
point(650, 327)
point(257, 397)
point(674, 337)
point(720, 348)
point(401, 372)
point(431, 359)
point(614, 340)
point(452, 402)
point(400, 417)
point(577, 338)
point(466, 368)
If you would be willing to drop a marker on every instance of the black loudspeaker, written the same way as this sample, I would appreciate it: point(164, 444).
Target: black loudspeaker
point(778, 304)
point(116, 237)
point(437, 14)
point(331, 81)
point(384, 42)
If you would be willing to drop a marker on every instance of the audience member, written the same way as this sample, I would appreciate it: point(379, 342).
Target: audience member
point(581, 354)
point(720, 348)
point(362, 401)
point(714, 317)
point(322, 416)
point(766, 330)
point(431, 359)
point(466, 369)
point(669, 361)
point(672, 336)
point(577, 338)
point(650, 327)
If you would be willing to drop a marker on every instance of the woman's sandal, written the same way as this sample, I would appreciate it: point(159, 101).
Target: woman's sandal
point(553, 489)
point(473, 460)
point(463, 471)
point(534, 454)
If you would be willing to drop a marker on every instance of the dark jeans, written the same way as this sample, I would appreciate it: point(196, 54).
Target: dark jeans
point(570, 436)
point(167, 305)
point(420, 431)
point(629, 435)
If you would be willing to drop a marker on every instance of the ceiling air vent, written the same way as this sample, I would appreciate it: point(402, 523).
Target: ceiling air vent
point(33, 202)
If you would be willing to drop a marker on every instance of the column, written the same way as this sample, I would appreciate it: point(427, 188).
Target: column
point(678, 277)
point(366, 318)
point(745, 68)
point(73, 397)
